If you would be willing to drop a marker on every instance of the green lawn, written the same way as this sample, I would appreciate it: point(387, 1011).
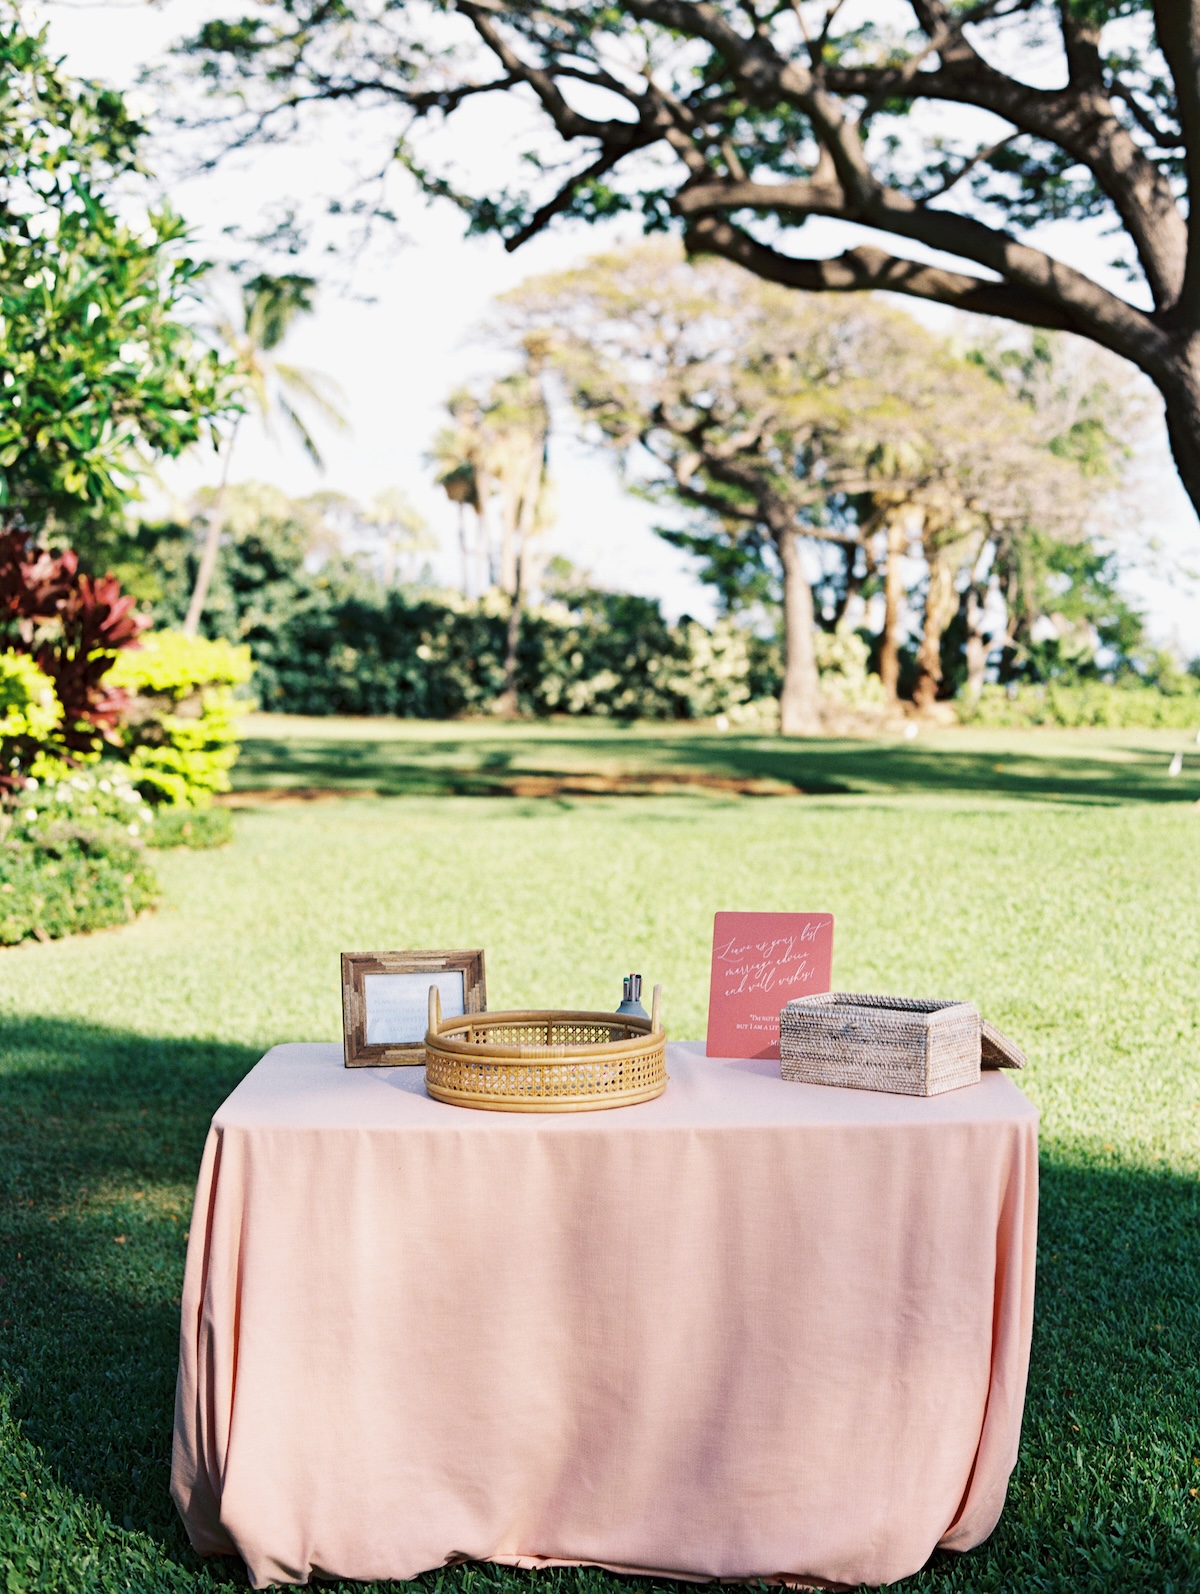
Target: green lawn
point(483, 757)
point(1056, 879)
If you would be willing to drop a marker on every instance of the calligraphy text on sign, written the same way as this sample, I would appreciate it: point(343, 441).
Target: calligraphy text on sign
point(760, 962)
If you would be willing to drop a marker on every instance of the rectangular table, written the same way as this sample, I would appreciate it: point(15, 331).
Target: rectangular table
point(750, 1329)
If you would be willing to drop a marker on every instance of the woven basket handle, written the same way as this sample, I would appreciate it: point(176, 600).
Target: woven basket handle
point(656, 1011)
point(435, 1009)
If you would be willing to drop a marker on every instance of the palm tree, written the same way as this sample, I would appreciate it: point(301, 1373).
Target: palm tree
point(270, 306)
point(458, 456)
point(497, 449)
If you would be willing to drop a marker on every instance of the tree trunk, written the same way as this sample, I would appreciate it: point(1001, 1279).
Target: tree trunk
point(800, 698)
point(893, 597)
point(483, 546)
point(940, 603)
point(1181, 400)
point(507, 703)
point(855, 581)
point(462, 549)
point(977, 644)
point(212, 545)
point(510, 511)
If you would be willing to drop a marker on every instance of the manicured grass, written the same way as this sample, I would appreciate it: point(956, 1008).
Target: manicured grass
point(479, 757)
point(1064, 896)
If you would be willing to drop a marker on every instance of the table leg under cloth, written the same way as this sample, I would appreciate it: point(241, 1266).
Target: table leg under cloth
point(751, 1329)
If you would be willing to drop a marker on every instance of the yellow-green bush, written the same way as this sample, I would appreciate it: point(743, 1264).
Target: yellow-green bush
point(30, 713)
point(180, 732)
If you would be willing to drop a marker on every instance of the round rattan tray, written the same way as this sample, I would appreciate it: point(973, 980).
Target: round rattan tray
point(545, 1062)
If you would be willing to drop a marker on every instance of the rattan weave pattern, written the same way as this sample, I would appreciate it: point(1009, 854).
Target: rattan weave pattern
point(545, 1062)
point(909, 1045)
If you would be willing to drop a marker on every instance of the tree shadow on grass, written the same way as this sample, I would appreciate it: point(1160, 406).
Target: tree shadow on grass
point(478, 766)
point(100, 1140)
point(1102, 1498)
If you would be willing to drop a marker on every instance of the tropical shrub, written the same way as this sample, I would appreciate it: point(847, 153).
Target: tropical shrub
point(68, 864)
point(104, 793)
point(29, 705)
point(179, 725)
point(99, 794)
point(435, 657)
point(30, 714)
point(846, 681)
point(72, 626)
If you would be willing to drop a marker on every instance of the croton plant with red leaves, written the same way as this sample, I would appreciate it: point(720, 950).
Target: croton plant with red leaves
point(72, 625)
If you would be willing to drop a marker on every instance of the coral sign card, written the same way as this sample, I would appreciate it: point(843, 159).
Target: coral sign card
point(760, 962)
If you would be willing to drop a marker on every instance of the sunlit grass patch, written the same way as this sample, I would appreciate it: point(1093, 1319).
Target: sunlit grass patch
point(1074, 924)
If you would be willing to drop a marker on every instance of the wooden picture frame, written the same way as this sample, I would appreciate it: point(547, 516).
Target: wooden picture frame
point(383, 1024)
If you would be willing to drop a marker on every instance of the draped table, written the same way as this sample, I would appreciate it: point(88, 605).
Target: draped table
point(752, 1329)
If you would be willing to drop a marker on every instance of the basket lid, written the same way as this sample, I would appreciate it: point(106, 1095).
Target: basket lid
point(997, 1051)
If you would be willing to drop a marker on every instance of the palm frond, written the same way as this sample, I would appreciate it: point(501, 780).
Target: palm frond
point(303, 435)
point(315, 388)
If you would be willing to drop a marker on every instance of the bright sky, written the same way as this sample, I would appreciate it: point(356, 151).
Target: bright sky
point(397, 357)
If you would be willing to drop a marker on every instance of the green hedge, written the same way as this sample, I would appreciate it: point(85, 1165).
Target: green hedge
point(1120, 705)
point(437, 657)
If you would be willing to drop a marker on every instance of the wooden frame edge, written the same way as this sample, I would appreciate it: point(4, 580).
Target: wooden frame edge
point(356, 1053)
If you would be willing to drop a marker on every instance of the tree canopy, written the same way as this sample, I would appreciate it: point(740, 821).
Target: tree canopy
point(735, 121)
point(101, 367)
point(777, 419)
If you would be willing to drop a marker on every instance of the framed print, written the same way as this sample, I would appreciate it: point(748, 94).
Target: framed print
point(385, 1001)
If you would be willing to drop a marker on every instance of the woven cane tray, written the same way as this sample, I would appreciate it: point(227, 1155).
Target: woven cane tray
point(545, 1062)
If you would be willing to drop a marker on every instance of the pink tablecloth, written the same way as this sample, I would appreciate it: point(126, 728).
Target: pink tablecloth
point(751, 1329)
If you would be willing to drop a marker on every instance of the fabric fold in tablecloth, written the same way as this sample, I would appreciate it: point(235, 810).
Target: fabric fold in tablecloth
point(751, 1329)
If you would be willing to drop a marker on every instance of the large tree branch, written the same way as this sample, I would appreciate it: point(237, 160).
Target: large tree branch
point(543, 81)
point(860, 270)
point(768, 508)
point(1079, 120)
point(1086, 306)
point(562, 200)
point(767, 76)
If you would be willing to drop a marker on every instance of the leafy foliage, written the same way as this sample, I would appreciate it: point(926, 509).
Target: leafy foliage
point(102, 792)
point(956, 129)
point(167, 662)
point(71, 858)
point(72, 626)
point(332, 640)
point(101, 370)
point(1122, 704)
point(30, 714)
point(608, 654)
point(179, 726)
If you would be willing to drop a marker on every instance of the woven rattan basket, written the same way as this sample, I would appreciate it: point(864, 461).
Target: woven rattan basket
point(545, 1062)
point(896, 1043)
